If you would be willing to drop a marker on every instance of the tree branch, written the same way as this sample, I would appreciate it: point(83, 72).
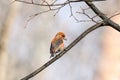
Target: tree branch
point(114, 15)
point(53, 4)
point(64, 51)
point(102, 16)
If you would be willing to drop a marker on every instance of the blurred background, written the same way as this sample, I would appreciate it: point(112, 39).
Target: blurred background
point(24, 49)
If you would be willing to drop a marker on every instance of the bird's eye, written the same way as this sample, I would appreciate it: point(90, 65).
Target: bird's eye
point(63, 35)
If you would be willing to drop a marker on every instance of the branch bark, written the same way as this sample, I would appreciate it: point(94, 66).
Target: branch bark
point(64, 51)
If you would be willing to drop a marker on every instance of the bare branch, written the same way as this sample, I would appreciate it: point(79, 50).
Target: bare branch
point(70, 9)
point(34, 15)
point(103, 17)
point(64, 51)
point(44, 1)
point(71, 12)
point(59, 9)
point(90, 18)
point(68, 2)
point(53, 4)
point(57, 12)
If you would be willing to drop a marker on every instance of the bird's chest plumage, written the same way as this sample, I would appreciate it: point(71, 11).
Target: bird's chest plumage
point(57, 45)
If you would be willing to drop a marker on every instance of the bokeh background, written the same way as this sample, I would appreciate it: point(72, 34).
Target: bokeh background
point(24, 49)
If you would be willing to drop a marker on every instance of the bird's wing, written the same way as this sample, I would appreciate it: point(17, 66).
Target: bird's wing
point(54, 45)
point(51, 49)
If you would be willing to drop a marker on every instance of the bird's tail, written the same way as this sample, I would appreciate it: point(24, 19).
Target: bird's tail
point(52, 55)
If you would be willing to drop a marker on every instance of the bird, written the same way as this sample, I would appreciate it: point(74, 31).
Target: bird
point(57, 44)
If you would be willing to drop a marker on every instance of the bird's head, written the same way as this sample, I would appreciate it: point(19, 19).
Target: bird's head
point(61, 35)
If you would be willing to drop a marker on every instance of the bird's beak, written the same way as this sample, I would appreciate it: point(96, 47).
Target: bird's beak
point(65, 39)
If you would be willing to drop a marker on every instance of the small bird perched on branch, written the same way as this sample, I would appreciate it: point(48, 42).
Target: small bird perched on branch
point(57, 43)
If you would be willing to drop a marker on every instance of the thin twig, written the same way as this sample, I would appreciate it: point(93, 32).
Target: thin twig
point(64, 3)
point(90, 18)
point(34, 15)
point(71, 12)
point(47, 4)
point(114, 15)
point(54, 2)
point(59, 9)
